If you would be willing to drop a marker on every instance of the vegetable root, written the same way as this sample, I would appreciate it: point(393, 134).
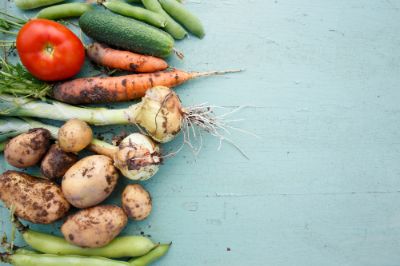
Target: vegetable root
point(122, 88)
point(137, 156)
point(125, 60)
point(33, 199)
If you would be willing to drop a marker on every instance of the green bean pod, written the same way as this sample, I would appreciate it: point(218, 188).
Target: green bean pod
point(136, 12)
point(52, 260)
point(150, 257)
point(69, 10)
point(31, 4)
point(23, 251)
point(183, 16)
point(126, 246)
point(172, 27)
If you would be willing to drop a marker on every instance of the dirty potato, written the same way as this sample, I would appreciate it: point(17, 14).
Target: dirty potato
point(35, 200)
point(56, 162)
point(136, 202)
point(94, 227)
point(27, 149)
point(89, 181)
point(74, 135)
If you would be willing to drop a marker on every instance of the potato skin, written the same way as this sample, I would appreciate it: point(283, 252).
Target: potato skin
point(136, 202)
point(56, 162)
point(89, 181)
point(27, 149)
point(74, 135)
point(94, 227)
point(35, 200)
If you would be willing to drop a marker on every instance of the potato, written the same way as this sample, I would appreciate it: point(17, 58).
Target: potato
point(89, 181)
point(35, 200)
point(136, 202)
point(56, 162)
point(74, 135)
point(94, 227)
point(27, 149)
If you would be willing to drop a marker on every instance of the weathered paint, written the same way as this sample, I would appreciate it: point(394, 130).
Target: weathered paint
point(322, 185)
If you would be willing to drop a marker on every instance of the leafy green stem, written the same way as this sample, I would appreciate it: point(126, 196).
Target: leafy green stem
point(20, 20)
point(8, 32)
point(16, 80)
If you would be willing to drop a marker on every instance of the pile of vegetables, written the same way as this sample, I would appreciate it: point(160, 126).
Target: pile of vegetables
point(134, 39)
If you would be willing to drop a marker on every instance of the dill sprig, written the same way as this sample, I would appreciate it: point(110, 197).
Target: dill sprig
point(17, 81)
point(8, 23)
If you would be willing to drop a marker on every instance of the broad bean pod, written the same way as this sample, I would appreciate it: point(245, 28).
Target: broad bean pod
point(125, 246)
point(136, 12)
point(172, 27)
point(31, 4)
point(183, 16)
point(152, 256)
point(69, 10)
point(51, 260)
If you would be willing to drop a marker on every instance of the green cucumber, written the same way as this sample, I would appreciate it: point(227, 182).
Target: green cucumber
point(126, 33)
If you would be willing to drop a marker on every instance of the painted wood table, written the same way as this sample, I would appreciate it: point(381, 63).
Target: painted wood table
point(322, 182)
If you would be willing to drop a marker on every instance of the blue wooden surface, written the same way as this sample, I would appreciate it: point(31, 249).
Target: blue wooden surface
point(322, 184)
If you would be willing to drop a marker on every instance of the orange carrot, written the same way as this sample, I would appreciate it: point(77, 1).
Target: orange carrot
point(125, 60)
point(122, 88)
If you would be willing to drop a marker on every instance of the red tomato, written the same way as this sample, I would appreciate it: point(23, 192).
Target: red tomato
point(49, 50)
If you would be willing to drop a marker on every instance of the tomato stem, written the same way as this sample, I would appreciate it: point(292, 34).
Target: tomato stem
point(49, 49)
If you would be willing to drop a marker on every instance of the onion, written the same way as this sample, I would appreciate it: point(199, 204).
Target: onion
point(138, 157)
point(159, 113)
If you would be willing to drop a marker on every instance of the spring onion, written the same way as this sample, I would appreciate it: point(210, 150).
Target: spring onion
point(160, 114)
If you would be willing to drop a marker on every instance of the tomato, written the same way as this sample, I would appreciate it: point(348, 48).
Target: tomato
point(49, 50)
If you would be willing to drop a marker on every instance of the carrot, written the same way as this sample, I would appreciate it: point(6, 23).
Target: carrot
point(125, 60)
point(122, 88)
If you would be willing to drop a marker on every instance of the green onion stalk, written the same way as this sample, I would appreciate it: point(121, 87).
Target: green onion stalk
point(160, 113)
point(137, 156)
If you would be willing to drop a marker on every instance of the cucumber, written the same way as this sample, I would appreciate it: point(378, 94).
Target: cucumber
point(126, 33)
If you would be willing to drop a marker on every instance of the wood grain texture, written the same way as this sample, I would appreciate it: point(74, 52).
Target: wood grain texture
point(322, 186)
